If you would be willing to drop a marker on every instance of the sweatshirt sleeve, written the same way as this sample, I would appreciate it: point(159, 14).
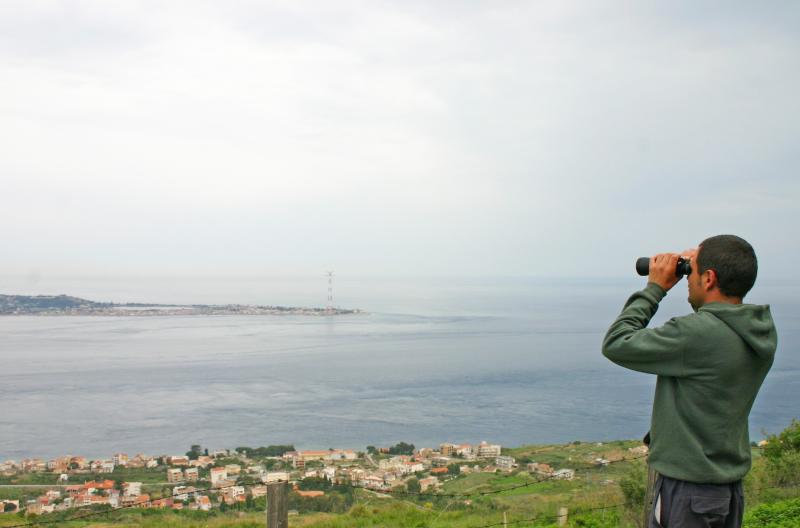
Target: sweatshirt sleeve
point(630, 344)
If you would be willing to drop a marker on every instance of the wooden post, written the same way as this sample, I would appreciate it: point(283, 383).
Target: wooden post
point(648, 494)
point(562, 516)
point(505, 520)
point(278, 505)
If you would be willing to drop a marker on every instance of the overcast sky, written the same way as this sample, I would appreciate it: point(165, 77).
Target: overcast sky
point(472, 138)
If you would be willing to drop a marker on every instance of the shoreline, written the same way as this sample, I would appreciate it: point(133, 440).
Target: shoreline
point(65, 305)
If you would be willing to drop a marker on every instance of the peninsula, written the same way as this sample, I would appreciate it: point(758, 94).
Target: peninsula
point(68, 305)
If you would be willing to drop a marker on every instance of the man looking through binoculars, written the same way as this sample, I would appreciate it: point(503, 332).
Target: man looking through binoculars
point(710, 365)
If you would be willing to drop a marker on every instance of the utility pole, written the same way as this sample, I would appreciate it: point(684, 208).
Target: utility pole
point(278, 505)
point(562, 516)
point(649, 493)
point(329, 307)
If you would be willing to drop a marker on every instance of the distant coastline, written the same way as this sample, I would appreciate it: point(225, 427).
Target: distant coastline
point(54, 305)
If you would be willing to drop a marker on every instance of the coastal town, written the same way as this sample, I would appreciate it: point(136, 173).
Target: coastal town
point(203, 479)
point(65, 305)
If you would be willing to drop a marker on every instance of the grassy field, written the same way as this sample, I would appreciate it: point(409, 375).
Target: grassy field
point(120, 474)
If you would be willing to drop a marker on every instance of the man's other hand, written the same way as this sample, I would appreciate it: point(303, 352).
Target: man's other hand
point(662, 270)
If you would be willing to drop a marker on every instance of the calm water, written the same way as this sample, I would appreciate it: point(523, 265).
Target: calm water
point(507, 360)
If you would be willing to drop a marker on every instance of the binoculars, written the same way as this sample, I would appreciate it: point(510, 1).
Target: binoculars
point(684, 266)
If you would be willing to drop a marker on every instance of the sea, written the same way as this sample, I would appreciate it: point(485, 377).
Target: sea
point(509, 360)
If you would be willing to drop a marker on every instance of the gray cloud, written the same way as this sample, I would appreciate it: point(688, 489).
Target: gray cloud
point(523, 138)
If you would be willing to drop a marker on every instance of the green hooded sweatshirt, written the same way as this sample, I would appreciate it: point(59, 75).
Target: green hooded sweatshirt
point(710, 365)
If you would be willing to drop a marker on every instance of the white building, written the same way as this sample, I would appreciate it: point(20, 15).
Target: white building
point(132, 489)
point(183, 493)
point(203, 502)
point(373, 482)
point(102, 466)
point(232, 494)
point(255, 470)
point(258, 491)
point(342, 454)
point(429, 482)
point(440, 461)
point(218, 476)
point(413, 467)
point(174, 475)
point(275, 476)
point(486, 450)
point(178, 460)
point(464, 450)
point(505, 462)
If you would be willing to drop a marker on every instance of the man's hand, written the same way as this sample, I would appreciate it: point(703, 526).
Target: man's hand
point(662, 270)
point(689, 253)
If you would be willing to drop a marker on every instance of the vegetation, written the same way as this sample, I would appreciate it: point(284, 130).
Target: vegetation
point(262, 452)
point(783, 455)
point(195, 452)
point(340, 500)
point(402, 449)
point(10, 304)
point(600, 496)
point(781, 514)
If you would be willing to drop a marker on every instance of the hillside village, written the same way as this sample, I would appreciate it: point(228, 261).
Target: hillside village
point(202, 480)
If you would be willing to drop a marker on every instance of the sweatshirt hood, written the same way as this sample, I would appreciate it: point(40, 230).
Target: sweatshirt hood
point(752, 322)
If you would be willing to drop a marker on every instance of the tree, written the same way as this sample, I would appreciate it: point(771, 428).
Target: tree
point(315, 483)
point(194, 452)
point(453, 469)
point(269, 451)
point(413, 485)
point(634, 488)
point(372, 450)
point(787, 441)
point(402, 448)
point(783, 454)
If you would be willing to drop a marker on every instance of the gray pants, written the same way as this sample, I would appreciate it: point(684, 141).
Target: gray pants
point(681, 504)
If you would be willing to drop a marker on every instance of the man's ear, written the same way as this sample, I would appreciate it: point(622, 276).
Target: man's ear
point(710, 281)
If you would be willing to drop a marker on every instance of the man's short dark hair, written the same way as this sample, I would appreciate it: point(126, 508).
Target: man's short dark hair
point(733, 259)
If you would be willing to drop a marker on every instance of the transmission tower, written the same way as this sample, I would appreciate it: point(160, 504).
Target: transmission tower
point(329, 307)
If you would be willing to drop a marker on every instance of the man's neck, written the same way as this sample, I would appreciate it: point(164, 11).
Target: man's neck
point(718, 297)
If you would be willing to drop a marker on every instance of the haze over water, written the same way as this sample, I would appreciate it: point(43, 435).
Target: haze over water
point(509, 360)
